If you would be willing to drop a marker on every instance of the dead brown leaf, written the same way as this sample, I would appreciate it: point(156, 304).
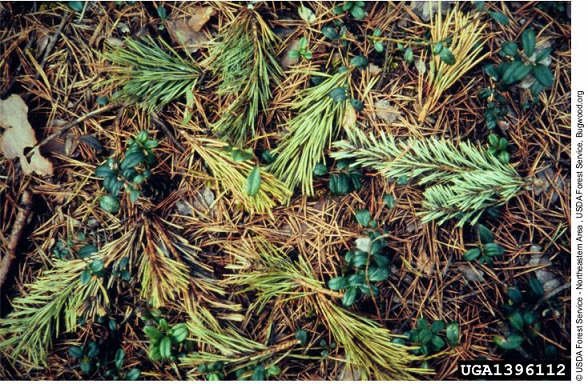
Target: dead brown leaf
point(182, 34)
point(424, 263)
point(200, 17)
point(287, 61)
point(386, 112)
point(350, 117)
point(20, 136)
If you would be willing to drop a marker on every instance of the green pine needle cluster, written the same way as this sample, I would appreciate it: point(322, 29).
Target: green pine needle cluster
point(275, 277)
point(244, 58)
point(163, 277)
point(220, 341)
point(57, 296)
point(462, 180)
point(150, 75)
point(232, 177)
point(320, 112)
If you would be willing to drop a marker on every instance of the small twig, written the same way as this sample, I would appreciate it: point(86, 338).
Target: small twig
point(16, 71)
point(168, 132)
point(53, 40)
point(69, 125)
point(21, 217)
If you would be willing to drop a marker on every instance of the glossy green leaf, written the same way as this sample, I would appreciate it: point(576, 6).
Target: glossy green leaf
point(356, 104)
point(86, 276)
point(75, 352)
point(437, 326)
point(132, 160)
point(302, 336)
point(152, 332)
point(165, 347)
point(93, 350)
point(96, 266)
point(408, 56)
point(119, 358)
point(155, 354)
point(338, 283)
point(512, 342)
point(389, 200)
point(163, 324)
point(358, 278)
point(528, 40)
point(515, 295)
point(529, 317)
point(87, 251)
point(543, 75)
point(348, 5)
point(77, 6)
point(359, 62)
point(493, 140)
point(402, 180)
point(258, 373)
point(447, 56)
point(499, 17)
point(511, 49)
point(338, 94)
point(355, 178)
point(502, 143)
point(273, 370)
point(536, 287)
point(438, 343)
point(486, 236)
point(179, 332)
point(516, 321)
point(134, 195)
point(378, 274)
point(425, 336)
point(492, 72)
point(339, 184)
point(241, 155)
point(103, 171)
point(472, 254)
point(452, 332)
point(493, 250)
point(363, 217)
point(425, 349)
point(358, 261)
point(109, 204)
point(294, 54)
point(504, 157)
point(330, 33)
point(381, 261)
point(85, 365)
point(515, 72)
point(253, 183)
point(536, 88)
point(357, 12)
point(422, 324)
point(133, 374)
point(379, 46)
point(349, 297)
point(376, 246)
point(161, 12)
point(320, 170)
